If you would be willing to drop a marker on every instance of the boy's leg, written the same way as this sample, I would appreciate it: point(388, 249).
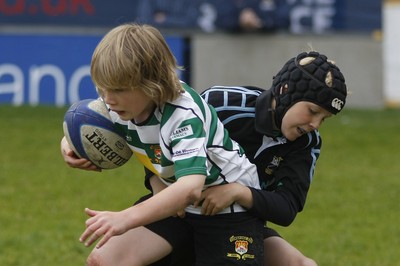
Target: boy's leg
point(179, 235)
point(138, 246)
point(227, 239)
point(147, 245)
point(277, 251)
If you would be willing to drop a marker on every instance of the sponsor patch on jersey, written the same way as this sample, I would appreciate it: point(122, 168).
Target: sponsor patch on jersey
point(182, 132)
point(185, 152)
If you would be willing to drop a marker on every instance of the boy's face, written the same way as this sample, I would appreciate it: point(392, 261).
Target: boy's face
point(301, 118)
point(129, 104)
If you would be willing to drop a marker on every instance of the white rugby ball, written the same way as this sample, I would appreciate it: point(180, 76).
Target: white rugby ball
point(91, 134)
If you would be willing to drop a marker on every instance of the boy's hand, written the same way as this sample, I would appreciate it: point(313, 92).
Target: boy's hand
point(73, 160)
point(104, 225)
point(215, 199)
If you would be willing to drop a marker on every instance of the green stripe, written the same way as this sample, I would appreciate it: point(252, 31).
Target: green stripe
point(191, 166)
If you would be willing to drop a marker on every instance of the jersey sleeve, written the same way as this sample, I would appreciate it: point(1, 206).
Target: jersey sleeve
point(286, 197)
point(189, 150)
point(184, 140)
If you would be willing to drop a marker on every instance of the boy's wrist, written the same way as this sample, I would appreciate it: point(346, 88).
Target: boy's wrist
point(243, 195)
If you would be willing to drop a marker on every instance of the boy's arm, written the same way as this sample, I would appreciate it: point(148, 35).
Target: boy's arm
point(156, 184)
point(152, 182)
point(185, 191)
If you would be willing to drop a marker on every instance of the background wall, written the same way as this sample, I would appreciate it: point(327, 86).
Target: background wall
point(253, 60)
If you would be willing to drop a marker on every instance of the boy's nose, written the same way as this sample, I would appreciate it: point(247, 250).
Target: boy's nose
point(316, 123)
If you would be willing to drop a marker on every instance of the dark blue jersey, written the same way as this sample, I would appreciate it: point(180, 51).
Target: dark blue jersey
point(285, 168)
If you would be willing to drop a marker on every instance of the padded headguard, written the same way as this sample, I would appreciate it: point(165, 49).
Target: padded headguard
point(303, 80)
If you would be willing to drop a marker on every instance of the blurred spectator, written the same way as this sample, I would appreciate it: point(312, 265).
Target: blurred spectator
point(207, 17)
point(264, 15)
point(248, 15)
point(169, 14)
point(212, 15)
point(255, 15)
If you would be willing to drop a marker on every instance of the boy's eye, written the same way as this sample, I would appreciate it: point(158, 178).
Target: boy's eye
point(119, 90)
point(312, 111)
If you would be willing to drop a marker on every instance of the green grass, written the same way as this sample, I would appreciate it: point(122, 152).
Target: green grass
point(351, 216)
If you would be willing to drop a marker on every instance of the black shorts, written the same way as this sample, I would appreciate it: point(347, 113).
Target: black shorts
point(224, 239)
point(184, 254)
point(227, 239)
point(268, 232)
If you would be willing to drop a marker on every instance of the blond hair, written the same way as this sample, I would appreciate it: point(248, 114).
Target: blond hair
point(133, 56)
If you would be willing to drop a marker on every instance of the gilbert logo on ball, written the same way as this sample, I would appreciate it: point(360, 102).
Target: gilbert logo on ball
point(91, 134)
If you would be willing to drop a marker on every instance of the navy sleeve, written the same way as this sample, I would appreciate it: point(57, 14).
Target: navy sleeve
point(274, 207)
point(280, 202)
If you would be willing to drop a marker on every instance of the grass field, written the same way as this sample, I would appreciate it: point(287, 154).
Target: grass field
point(351, 216)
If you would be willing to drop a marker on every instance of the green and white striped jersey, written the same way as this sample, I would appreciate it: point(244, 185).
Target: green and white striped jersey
point(185, 137)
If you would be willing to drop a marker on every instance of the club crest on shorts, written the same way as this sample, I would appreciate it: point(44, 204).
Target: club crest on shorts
point(241, 247)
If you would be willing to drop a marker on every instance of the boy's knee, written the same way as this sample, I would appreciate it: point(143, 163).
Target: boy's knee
point(94, 260)
point(308, 262)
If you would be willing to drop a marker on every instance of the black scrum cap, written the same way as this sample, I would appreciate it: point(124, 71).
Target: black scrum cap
point(299, 80)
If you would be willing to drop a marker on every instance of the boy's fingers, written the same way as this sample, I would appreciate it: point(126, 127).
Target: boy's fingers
point(104, 240)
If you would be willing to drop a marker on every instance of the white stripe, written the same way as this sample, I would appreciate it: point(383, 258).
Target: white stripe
point(231, 209)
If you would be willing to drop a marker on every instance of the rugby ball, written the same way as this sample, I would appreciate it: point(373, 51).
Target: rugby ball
point(91, 134)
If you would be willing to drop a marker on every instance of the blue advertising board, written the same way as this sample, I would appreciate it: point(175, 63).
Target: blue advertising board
point(52, 69)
